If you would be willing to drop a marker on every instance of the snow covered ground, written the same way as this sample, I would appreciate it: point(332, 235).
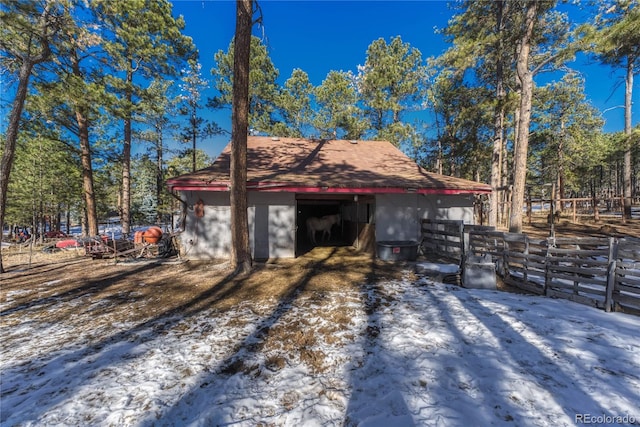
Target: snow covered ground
point(402, 353)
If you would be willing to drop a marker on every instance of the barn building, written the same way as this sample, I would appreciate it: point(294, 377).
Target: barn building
point(380, 193)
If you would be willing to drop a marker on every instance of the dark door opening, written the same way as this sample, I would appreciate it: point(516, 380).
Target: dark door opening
point(307, 208)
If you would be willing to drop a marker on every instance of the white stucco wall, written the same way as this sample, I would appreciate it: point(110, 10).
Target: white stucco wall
point(271, 226)
point(453, 207)
point(208, 237)
point(398, 216)
point(272, 221)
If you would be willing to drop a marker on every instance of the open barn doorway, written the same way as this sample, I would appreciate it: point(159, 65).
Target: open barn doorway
point(356, 215)
point(318, 207)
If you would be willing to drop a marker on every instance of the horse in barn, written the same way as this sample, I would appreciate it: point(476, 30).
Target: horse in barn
point(323, 224)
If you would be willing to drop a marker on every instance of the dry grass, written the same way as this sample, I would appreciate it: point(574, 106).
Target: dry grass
point(175, 286)
point(146, 291)
point(140, 290)
point(539, 228)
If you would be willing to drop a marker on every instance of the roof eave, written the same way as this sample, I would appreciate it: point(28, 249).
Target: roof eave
point(293, 188)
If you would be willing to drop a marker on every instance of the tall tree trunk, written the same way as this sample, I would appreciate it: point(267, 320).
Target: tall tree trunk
point(522, 146)
point(159, 175)
point(505, 196)
point(85, 159)
point(561, 168)
point(87, 174)
point(8, 153)
point(498, 124)
point(627, 131)
point(126, 158)
point(241, 251)
point(27, 62)
point(194, 131)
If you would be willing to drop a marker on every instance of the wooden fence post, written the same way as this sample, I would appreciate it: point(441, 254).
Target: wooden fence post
point(551, 242)
point(611, 274)
point(462, 242)
point(526, 259)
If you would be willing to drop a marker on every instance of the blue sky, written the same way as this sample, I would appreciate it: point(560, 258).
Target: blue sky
point(320, 36)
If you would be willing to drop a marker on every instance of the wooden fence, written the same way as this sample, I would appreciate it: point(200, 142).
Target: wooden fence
point(444, 237)
point(602, 272)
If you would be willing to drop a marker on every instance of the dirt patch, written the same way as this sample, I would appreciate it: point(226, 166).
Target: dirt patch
point(173, 285)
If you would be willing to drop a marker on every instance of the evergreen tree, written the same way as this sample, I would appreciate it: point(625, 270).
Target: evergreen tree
point(156, 115)
point(143, 39)
point(241, 251)
point(566, 127)
point(615, 39)
point(197, 127)
point(392, 81)
point(144, 206)
point(27, 30)
point(338, 114)
point(481, 40)
point(294, 103)
point(543, 39)
point(70, 95)
point(263, 87)
point(462, 124)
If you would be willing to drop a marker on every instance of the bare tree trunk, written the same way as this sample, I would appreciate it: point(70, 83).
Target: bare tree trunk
point(126, 179)
point(498, 126)
point(85, 159)
point(194, 130)
point(520, 155)
point(159, 175)
point(241, 252)
point(8, 154)
point(439, 158)
point(561, 169)
point(126, 158)
point(87, 175)
point(505, 195)
point(627, 131)
point(27, 62)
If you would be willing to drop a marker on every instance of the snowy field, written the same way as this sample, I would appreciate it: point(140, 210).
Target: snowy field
point(403, 353)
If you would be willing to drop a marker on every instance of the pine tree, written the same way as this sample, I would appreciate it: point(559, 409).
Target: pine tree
point(567, 126)
point(615, 39)
point(263, 87)
point(480, 40)
point(391, 82)
point(26, 34)
point(142, 39)
point(197, 127)
point(294, 104)
point(156, 114)
point(241, 251)
point(338, 114)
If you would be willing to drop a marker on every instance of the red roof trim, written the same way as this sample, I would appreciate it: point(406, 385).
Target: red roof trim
point(283, 187)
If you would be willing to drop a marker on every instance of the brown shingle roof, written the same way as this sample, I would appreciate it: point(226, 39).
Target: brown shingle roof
point(340, 165)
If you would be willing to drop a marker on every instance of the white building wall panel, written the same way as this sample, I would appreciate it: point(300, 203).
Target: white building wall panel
point(271, 226)
point(452, 207)
point(398, 216)
point(208, 237)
